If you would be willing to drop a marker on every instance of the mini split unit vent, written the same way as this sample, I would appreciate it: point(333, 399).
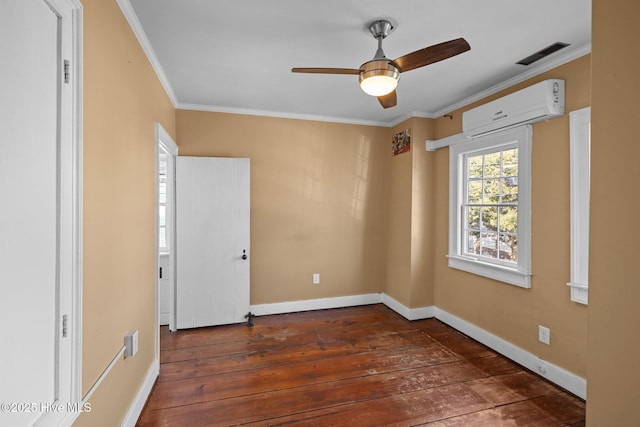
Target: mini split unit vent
point(541, 101)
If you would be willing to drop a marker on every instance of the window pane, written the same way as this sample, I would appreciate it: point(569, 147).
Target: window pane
point(510, 189)
point(473, 242)
point(162, 193)
point(510, 162)
point(509, 219)
point(162, 237)
point(492, 191)
point(474, 192)
point(492, 165)
point(510, 170)
point(489, 218)
point(488, 244)
point(161, 215)
point(474, 167)
point(509, 247)
point(473, 218)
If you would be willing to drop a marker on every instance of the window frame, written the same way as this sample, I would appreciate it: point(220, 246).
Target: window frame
point(519, 273)
point(580, 178)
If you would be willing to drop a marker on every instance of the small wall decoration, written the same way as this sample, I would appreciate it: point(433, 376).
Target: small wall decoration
point(401, 142)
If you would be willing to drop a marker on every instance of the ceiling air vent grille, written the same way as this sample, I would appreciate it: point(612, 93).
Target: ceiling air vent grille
point(542, 53)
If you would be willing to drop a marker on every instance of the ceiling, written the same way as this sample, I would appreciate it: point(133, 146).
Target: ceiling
point(237, 55)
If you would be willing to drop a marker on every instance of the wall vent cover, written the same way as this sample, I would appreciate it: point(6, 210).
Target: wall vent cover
point(542, 53)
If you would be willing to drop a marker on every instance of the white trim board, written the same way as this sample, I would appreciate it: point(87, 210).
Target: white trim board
point(282, 114)
point(563, 378)
point(315, 304)
point(141, 397)
point(406, 312)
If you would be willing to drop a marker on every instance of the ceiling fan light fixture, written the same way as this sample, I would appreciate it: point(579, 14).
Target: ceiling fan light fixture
point(378, 77)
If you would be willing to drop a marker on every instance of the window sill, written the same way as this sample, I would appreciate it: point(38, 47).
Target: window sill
point(579, 293)
point(491, 271)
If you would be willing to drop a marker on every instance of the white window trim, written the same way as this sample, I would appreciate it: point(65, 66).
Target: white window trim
point(579, 153)
point(521, 274)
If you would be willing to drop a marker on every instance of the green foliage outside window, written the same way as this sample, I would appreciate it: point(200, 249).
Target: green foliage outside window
point(491, 208)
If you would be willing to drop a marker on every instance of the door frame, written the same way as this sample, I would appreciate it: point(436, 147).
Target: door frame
point(70, 160)
point(164, 142)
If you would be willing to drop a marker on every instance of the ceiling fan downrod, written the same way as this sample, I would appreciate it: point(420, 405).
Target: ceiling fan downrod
point(380, 30)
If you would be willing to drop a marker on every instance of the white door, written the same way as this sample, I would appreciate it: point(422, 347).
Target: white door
point(37, 244)
point(212, 229)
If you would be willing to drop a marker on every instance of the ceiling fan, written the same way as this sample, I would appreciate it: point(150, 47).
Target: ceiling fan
point(379, 77)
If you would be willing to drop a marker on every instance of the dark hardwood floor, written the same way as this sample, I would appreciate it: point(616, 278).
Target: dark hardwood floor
point(359, 366)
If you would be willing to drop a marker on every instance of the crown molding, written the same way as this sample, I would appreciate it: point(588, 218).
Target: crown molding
point(279, 114)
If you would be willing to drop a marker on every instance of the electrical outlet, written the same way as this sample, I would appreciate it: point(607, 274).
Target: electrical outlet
point(131, 344)
point(544, 335)
point(316, 278)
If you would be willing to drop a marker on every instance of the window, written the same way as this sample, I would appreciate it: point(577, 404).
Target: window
point(162, 202)
point(490, 206)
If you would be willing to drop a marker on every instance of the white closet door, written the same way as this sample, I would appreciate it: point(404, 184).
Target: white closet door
point(29, 216)
point(212, 228)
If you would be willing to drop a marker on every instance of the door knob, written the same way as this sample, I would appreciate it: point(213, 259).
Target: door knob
point(244, 254)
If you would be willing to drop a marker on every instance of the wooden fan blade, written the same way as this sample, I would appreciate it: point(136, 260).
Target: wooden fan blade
point(431, 54)
point(389, 100)
point(326, 70)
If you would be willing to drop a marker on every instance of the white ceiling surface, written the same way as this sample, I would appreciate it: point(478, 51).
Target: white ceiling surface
point(237, 55)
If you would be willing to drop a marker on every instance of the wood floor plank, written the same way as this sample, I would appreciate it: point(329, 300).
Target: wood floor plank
point(277, 326)
point(257, 341)
point(361, 366)
point(405, 409)
point(274, 404)
point(199, 389)
point(212, 363)
point(549, 411)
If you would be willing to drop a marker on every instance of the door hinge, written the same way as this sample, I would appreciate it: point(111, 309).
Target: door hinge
point(160, 272)
point(64, 326)
point(67, 71)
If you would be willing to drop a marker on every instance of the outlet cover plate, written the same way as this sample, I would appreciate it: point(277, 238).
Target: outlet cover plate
point(544, 335)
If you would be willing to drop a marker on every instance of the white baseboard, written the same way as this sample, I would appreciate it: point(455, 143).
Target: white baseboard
point(565, 379)
point(406, 312)
point(315, 304)
point(141, 398)
point(164, 319)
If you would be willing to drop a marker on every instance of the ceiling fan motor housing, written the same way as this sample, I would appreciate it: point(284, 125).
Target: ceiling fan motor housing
point(377, 70)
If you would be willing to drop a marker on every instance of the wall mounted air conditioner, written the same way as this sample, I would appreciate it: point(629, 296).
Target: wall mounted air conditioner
point(541, 101)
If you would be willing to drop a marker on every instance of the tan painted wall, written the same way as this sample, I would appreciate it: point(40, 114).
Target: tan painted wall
point(507, 311)
point(410, 226)
point(398, 278)
point(614, 350)
point(321, 202)
point(122, 100)
point(318, 200)
point(422, 216)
